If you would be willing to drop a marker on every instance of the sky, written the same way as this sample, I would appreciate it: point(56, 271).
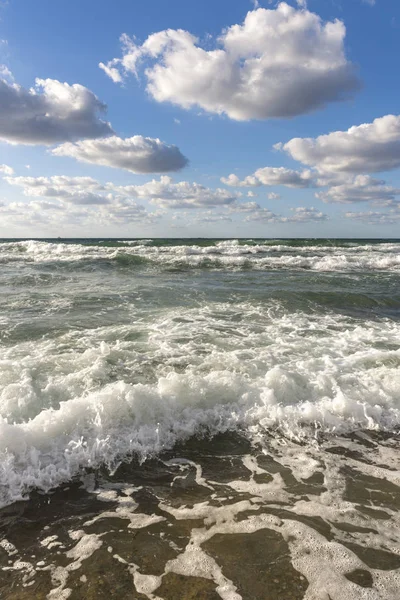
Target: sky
point(199, 119)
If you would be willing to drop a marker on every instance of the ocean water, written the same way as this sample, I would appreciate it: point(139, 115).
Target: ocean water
point(170, 408)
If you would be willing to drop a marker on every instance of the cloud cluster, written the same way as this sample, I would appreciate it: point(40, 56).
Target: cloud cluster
point(62, 200)
point(368, 148)
point(300, 214)
point(53, 112)
point(183, 194)
point(279, 62)
point(7, 170)
point(304, 214)
point(49, 113)
point(342, 163)
point(273, 176)
point(53, 215)
point(73, 190)
point(362, 188)
point(5, 72)
point(85, 190)
point(137, 154)
point(371, 217)
point(84, 198)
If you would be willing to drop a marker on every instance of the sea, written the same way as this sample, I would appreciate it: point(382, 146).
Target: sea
point(200, 419)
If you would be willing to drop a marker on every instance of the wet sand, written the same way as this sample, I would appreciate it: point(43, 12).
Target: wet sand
point(214, 519)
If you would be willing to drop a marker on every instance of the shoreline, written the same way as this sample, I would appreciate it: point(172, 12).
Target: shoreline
point(203, 519)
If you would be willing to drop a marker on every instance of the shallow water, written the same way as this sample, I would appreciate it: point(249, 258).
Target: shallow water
point(220, 410)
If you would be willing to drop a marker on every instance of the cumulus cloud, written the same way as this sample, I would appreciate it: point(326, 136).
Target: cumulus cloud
point(75, 190)
point(274, 196)
point(85, 190)
point(304, 214)
point(84, 199)
point(50, 113)
point(183, 194)
point(137, 154)
point(367, 148)
point(53, 215)
point(39, 186)
point(244, 207)
point(6, 170)
point(263, 215)
point(6, 74)
point(209, 218)
point(80, 201)
point(123, 211)
point(273, 176)
point(279, 62)
point(234, 181)
point(300, 214)
point(363, 188)
point(375, 217)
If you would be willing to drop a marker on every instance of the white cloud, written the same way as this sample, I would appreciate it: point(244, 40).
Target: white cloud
point(214, 219)
point(279, 62)
point(303, 214)
point(85, 190)
point(367, 148)
point(183, 194)
point(263, 215)
point(273, 176)
point(111, 72)
point(75, 190)
point(362, 188)
point(125, 211)
point(286, 177)
point(233, 181)
point(374, 217)
point(56, 185)
point(244, 207)
point(81, 201)
point(300, 214)
point(274, 196)
point(49, 113)
point(55, 215)
point(137, 154)
point(6, 74)
point(6, 170)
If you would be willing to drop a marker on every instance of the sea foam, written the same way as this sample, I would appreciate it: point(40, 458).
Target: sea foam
point(78, 401)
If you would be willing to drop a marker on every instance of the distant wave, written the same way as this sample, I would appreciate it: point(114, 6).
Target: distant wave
point(227, 255)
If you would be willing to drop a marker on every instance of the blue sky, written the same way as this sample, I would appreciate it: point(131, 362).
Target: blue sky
point(205, 120)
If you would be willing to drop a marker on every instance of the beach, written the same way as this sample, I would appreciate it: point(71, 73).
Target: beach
point(197, 418)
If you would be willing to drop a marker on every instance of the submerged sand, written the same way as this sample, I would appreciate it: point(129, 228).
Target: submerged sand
point(216, 518)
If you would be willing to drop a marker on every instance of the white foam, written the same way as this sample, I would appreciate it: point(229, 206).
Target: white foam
point(300, 373)
point(229, 254)
point(8, 547)
point(323, 563)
